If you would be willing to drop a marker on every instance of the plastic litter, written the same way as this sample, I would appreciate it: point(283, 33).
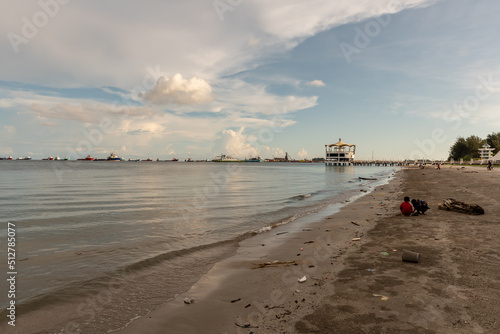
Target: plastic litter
point(302, 280)
point(356, 239)
point(384, 253)
point(189, 300)
point(382, 297)
point(370, 270)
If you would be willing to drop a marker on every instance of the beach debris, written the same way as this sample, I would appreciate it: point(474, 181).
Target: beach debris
point(382, 297)
point(246, 325)
point(80, 253)
point(272, 264)
point(235, 300)
point(368, 178)
point(384, 253)
point(307, 229)
point(302, 249)
point(357, 224)
point(372, 270)
point(248, 305)
point(356, 239)
point(189, 300)
point(281, 233)
point(451, 204)
point(309, 242)
point(303, 279)
point(409, 256)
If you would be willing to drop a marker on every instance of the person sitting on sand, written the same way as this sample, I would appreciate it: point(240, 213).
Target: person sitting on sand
point(420, 206)
point(405, 207)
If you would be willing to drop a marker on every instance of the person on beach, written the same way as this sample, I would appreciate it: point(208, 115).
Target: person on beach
point(405, 207)
point(420, 206)
point(490, 167)
point(439, 167)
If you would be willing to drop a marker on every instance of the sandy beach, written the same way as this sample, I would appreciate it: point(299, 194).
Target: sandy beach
point(359, 286)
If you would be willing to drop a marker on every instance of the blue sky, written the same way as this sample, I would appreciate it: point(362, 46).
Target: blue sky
point(400, 79)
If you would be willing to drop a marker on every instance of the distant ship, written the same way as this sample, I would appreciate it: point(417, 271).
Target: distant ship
point(25, 158)
point(175, 159)
point(148, 159)
point(113, 157)
point(88, 158)
point(49, 158)
point(224, 158)
point(9, 158)
point(256, 159)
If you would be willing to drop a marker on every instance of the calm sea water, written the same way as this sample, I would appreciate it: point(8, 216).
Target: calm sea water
point(132, 235)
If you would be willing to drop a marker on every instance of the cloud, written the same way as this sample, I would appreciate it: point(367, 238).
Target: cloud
point(236, 144)
point(8, 129)
point(316, 83)
point(302, 153)
point(178, 90)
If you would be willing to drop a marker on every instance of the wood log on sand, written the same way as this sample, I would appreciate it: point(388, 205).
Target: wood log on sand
point(450, 204)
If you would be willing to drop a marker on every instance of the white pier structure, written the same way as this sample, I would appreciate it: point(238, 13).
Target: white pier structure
point(340, 154)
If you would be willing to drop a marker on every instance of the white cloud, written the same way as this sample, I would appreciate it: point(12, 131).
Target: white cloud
point(316, 83)
point(302, 154)
point(236, 144)
point(177, 90)
point(8, 130)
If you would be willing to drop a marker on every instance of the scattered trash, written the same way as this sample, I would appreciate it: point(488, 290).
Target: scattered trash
point(309, 242)
point(307, 229)
point(247, 325)
point(272, 264)
point(248, 305)
point(382, 297)
point(302, 249)
point(370, 270)
point(281, 233)
point(79, 253)
point(189, 300)
point(409, 256)
point(384, 253)
point(302, 280)
point(356, 239)
point(394, 250)
point(355, 223)
point(235, 300)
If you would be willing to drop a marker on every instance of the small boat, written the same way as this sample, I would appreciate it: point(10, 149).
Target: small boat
point(88, 158)
point(113, 157)
point(256, 159)
point(57, 158)
point(189, 160)
point(135, 160)
point(175, 159)
point(148, 159)
point(10, 158)
point(49, 158)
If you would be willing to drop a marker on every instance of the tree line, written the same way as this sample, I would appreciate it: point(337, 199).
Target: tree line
point(468, 148)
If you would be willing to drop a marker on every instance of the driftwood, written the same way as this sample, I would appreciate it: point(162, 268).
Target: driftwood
point(450, 204)
point(272, 264)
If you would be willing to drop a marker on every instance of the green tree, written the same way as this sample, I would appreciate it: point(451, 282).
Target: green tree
point(458, 149)
point(493, 139)
point(466, 148)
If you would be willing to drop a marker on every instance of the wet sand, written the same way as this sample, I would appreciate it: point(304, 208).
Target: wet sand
point(455, 288)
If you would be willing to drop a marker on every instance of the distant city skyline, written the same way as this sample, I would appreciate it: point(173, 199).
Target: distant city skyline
point(399, 79)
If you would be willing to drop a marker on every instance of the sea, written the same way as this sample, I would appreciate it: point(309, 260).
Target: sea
point(103, 243)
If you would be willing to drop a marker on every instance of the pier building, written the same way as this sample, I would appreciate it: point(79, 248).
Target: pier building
point(340, 154)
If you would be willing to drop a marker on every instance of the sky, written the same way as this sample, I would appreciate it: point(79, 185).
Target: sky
point(199, 78)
